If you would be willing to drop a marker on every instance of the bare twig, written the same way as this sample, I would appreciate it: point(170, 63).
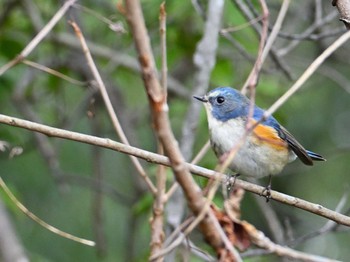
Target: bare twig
point(264, 242)
point(307, 32)
point(119, 58)
point(114, 26)
point(53, 72)
point(252, 79)
point(329, 226)
point(41, 222)
point(163, 160)
point(39, 37)
point(308, 72)
point(280, 63)
point(45, 148)
point(116, 124)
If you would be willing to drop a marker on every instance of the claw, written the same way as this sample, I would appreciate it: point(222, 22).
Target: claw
point(267, 193)
point(230, 182)
point(267, 190)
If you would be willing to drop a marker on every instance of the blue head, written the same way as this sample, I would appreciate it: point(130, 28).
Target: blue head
point(225, 103)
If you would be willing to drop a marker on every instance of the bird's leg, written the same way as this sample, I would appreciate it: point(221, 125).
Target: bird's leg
point(267, 189)
point(230, 182)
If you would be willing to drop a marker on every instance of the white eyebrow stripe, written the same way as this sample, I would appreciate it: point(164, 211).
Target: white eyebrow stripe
point(214, 94)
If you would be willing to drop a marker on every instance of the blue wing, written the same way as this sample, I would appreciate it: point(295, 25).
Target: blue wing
point(304, 155)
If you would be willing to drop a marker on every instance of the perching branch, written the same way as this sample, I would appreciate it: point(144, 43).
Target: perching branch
point(163, 160)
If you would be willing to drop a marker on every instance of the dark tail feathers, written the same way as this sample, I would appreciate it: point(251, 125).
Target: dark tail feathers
point(315, 156)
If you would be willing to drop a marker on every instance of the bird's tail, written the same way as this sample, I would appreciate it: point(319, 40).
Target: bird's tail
point(315, 156)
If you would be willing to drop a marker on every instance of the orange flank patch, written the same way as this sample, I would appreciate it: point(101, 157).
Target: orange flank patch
point(265, 134)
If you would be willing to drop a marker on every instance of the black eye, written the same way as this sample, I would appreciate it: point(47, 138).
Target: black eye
point(220, 99)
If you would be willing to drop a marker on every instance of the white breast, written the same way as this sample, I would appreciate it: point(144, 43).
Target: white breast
point(251, 159)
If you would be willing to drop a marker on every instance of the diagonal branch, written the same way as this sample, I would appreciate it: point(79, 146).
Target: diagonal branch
point(115, 121)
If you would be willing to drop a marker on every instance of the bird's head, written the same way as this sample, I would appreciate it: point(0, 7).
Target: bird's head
point(225, 103)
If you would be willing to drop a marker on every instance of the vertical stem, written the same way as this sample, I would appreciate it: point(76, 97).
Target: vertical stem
point(157, 222)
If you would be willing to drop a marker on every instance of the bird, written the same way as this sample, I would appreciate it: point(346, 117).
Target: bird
point(267, 149)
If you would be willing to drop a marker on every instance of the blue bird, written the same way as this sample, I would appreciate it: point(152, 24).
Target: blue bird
point(267, 149)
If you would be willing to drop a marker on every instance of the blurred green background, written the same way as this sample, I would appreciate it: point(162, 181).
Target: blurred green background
point(56, 179)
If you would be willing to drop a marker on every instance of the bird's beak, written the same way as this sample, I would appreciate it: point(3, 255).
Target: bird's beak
point(201, 98)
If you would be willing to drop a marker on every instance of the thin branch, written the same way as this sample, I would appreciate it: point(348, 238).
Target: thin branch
point(163, 160)
point(252, 79)
point(45, 148)
point(280, 63)
point(39, 37)
point(119, 58)
point(116, 124)
point(195, 160)
point(307, 32)
point(328, 226)
point(308, 72)
point(41, 222)
point(114, 26)
point(259, 239)
point(276, 29)
point(53, 72)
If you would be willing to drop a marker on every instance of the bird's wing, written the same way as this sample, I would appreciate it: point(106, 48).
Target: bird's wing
point(269, 135)
point(297, 148)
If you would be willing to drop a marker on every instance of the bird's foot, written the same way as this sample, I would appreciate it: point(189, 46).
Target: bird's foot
point(267, 193)
point(267, 190)
point(230, 182)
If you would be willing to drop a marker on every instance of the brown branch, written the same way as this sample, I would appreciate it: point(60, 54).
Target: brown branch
point(159, 110)
point(343, 7)
point(252, 79)
point(163, 160)
point(157, 221)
